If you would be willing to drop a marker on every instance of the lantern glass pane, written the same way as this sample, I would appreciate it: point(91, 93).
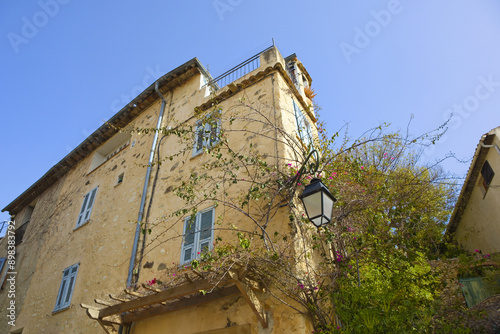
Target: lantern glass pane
point(328, 207)
point(318, 221)
point(313, 204)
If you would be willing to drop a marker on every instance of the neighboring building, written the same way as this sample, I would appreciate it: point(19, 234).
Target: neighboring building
point(475, 222)
point(76, 227)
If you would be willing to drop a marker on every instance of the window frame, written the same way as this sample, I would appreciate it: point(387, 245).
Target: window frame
point(86, 209)
point(196, 245)
point(487, 175)
point(3, 260)
point(304, 128)
point(204, 135)
point(68, 282)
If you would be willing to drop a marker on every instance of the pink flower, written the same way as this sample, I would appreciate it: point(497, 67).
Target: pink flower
point(362, 167)
point(476, 250)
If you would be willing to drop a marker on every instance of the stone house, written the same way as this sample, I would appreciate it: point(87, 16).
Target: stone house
point(102, 219)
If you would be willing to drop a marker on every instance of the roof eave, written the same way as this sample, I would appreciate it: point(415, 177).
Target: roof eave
point(135, 107)
point(470, 181)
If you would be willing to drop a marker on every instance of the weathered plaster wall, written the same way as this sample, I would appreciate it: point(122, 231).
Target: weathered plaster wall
point(231, 315)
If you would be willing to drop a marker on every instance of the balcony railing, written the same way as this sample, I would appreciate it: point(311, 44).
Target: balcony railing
point(238, 71)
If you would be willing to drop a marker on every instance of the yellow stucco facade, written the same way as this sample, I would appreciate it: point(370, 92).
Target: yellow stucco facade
point(82, 215)
point(475, 222)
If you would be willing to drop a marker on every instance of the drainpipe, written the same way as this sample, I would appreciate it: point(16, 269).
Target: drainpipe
point(145, 188)
point(489, 146)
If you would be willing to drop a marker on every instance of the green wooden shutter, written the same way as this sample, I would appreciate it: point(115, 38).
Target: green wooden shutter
point(474, 290)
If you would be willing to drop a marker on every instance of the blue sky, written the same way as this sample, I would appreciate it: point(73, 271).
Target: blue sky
point(68, 65)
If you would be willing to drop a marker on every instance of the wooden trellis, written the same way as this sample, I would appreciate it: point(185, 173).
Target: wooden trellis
point(136, 306)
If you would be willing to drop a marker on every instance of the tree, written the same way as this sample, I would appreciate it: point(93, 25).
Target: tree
point(369, 270)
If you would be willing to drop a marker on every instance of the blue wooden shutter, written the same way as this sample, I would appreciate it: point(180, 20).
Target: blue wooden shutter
point(90, 204)
point(303, 127)
point(86, 210)
point(71, 285)
point(66, 288)
point(214, 132)
point(199, 135)
point(62, 289)
point(187, 251)
point(82, 211)
point(299, 118)
point(206, 227)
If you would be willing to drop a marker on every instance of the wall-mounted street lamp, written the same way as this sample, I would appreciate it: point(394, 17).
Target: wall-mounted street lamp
point(317, 199)
point(318, 202)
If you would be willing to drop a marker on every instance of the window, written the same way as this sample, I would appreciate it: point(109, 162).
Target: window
point(487, 174)
point(303, 127)
point(198, 235)
point(291, 68)
point(67, 287)
point(109, 149)
point(2, 262)
point(88, 203)
point(19, 234)
point(206, 133)
point(120, 179)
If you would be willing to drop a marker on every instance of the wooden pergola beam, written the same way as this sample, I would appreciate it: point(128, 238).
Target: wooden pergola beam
point(251, 299)
point(184, 303)
point(159, 297)
point(107, 326)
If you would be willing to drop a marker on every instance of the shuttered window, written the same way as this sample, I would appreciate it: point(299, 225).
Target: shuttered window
point(85, 211)
point(66, 288)
point(198, 235)
point(304, 128)
point(207, 133)
point(487, 173)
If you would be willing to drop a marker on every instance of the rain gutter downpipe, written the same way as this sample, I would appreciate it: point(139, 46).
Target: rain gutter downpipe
point(145, 188)
point(488, 146)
